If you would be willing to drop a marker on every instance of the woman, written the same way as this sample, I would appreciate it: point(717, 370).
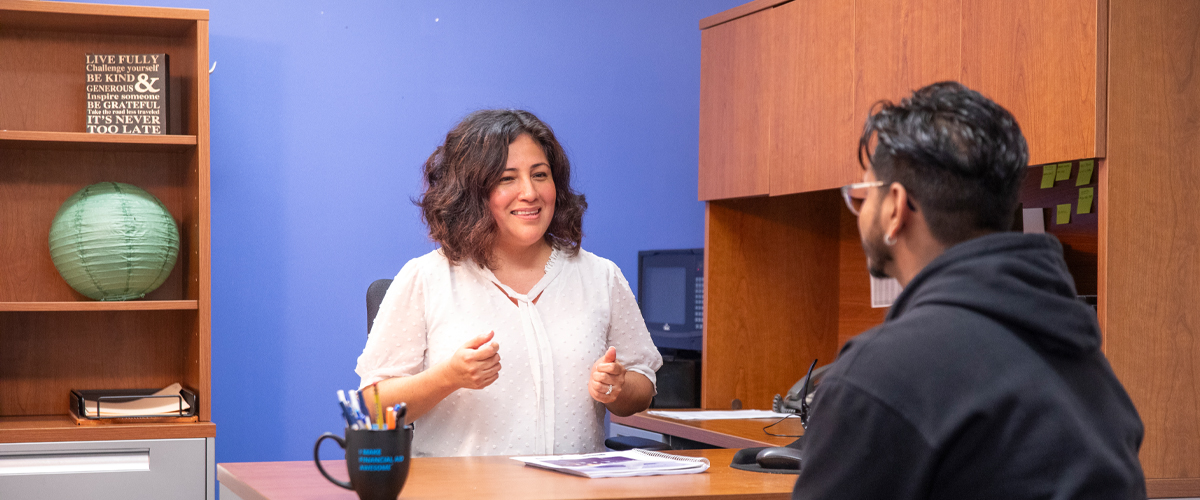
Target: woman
point(509, 274)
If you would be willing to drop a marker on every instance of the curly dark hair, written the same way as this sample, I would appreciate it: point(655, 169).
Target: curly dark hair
point(460, 176)
point(960, 155)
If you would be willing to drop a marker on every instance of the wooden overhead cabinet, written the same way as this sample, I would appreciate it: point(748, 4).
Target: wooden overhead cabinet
point(53, 339)
point(812, 112)
point(1108, 80)
point(735, 103)
point(1044, 62)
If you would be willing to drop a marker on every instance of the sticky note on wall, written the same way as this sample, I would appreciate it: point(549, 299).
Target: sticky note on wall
point(1085, 200)
point(1064, 214)
point(1064, 172)
point(1085, 173)
point(1048, 172)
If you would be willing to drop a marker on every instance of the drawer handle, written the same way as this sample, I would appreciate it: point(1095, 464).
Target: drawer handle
point(74, 463)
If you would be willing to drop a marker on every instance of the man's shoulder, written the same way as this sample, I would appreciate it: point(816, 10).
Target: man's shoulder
point(919, 338)
point(933, 360)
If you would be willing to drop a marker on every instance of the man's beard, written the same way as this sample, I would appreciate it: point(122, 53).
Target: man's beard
point(879, 254)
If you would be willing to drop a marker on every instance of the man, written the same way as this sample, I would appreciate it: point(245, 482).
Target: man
point(986, 380)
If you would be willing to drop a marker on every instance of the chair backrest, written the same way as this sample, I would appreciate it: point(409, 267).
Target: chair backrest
point(375, 294)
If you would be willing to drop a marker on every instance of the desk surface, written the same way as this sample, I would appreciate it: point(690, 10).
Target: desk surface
point(501, 477)
point(743, 433)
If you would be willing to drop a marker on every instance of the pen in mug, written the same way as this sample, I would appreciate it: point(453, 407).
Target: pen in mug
point(363, 405)
point(349, 417)
point(379, 418)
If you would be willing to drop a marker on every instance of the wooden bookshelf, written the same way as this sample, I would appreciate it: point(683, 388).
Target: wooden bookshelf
point(53, 339)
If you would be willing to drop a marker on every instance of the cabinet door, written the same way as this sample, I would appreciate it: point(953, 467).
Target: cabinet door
point(1045, 63)
point(813, 129)
point(903, 45)
point(735, 72)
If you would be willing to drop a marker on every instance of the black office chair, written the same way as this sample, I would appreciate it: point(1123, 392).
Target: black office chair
point(375, 294)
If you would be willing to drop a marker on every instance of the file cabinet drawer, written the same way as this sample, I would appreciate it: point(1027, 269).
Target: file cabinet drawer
point(151, 469)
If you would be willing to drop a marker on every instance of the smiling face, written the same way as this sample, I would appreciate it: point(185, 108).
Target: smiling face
point(523, 202)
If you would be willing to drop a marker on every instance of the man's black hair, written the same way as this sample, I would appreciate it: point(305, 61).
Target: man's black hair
point(960, 156)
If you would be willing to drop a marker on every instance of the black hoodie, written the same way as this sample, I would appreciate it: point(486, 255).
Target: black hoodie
point(986, 381)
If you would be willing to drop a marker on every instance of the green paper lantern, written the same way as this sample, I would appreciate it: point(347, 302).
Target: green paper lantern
point(113, 241)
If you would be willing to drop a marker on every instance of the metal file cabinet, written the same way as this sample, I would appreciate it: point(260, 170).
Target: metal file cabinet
point(101, 470)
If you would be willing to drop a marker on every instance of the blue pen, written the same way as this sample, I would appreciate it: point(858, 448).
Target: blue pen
point(346, 414)
point(362, 405)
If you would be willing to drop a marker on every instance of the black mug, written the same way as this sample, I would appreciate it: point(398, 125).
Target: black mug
point(377, 461)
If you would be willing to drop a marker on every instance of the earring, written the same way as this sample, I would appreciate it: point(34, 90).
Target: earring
point(889, 240)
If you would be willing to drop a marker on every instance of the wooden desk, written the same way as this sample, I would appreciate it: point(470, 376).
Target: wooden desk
point(747, 433)
point(501, 477)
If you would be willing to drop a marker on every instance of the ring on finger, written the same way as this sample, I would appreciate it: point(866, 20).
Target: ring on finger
point(609, 390)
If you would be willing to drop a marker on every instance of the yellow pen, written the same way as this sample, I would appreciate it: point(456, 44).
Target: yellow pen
point(378, 408)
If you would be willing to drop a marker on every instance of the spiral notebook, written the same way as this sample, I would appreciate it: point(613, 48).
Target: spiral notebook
point(618, 464)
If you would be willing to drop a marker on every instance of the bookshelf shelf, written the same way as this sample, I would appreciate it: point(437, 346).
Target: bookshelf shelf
point(55, 428)
point(83, 306)
point(79, 141)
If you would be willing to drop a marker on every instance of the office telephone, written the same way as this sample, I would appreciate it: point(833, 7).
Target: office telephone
point(782, 459)
point(798, 397)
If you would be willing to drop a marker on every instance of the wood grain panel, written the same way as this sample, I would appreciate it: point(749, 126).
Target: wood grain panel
point(739, 433)
point(814, 132)
point(93, 305)
point(1102, 205)
point(1153, 260)
point(54, 428)
point(1043, 61)
point(42, 75)
point(34, 183)
point(11, 139)
point(199, 262)
point(903, 45)
point(47, 354)
point(735, 108)
point(97, 18)
point(855, 314)
point(769, 302)
point(740, 11)
point(1172, 488)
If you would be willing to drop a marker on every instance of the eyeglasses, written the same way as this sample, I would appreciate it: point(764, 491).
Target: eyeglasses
point(854, 194)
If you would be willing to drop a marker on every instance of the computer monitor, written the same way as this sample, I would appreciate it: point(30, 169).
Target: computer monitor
point(671, 296)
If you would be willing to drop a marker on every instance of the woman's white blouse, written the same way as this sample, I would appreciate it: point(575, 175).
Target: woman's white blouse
point(540, 404)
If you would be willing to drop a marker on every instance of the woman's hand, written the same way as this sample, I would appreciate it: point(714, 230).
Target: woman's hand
point(608, 378)
point(475, 365)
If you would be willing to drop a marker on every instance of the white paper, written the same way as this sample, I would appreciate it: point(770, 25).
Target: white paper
point(140, 407)
point(1032, 221)
point(716, 414)
point(618, 464)
point(884, 291)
